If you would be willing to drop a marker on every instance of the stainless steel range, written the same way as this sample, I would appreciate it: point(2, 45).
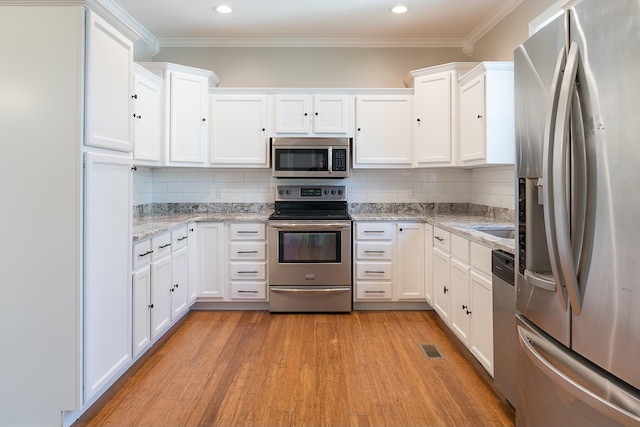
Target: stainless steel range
point(310, 250)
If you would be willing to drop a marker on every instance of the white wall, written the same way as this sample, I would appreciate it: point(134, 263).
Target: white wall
point(492, 186)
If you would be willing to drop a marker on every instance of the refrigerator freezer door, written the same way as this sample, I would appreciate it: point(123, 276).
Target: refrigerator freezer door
point(536, 75)
point(606, 330)
point(557, 387)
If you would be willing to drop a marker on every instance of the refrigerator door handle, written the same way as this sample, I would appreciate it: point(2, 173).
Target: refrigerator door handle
point(547, 180)
point(594, 390)
point(560, 184)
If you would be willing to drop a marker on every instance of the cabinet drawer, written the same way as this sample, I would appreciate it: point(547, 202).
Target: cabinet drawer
point(374, 270)
point(248, 290)
point(441, 239)
point(179, 238)
point(239, 251)
point(373, 290)
point(141, 254)
point(374, 250)
point(481, 258)
point(374, 231)
point(161, 246)
point(460, 248)
point(247, 231)
point(248, 271)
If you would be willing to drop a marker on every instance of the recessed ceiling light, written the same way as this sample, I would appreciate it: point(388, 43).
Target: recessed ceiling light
point(399, 9)
point(223, 9)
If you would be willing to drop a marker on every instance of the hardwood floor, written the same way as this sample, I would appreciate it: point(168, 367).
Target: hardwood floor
point(254, 368)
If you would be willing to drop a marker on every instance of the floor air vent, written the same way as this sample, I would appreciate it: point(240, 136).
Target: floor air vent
point(431, 351)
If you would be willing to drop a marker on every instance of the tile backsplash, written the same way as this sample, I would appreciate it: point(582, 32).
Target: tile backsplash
point(490, 186)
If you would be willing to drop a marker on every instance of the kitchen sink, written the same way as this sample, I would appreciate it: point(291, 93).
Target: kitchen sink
point(502, 232)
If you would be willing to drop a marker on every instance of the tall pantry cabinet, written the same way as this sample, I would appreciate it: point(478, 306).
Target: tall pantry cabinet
point(66, 163)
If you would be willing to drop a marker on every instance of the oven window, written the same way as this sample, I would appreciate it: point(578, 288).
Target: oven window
point(303, 159)
point(309, 247)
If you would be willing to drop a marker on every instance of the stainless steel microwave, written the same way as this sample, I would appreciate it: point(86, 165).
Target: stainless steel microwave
point(310, 157)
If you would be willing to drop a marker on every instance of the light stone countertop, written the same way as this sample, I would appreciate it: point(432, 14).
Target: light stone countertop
point(150, 225)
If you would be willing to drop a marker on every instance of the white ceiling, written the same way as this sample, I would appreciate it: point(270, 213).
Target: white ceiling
point(354, 22)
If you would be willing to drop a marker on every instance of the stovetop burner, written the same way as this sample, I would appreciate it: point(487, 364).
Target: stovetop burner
point(311, 203)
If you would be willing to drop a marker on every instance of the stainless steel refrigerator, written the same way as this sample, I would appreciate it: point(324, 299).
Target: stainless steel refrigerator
point(577, 97)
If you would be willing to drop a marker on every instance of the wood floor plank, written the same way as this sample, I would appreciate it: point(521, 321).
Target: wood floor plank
point(254, 368)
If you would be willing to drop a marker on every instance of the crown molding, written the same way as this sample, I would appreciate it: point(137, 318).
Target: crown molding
point(505, 8)
point(311, 42)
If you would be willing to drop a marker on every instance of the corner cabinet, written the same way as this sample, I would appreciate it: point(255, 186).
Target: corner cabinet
point(238, 131)
point(186, 112)
point(109, 86)
point(319, 115)
point(487, 135)
point(384, 131)
point(435, 119)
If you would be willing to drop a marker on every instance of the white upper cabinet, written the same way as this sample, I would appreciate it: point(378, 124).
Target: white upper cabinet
point(109, 80)
point(147, 116)
point(384, 131)
point(435, 119)
point(186, 112)
point(323, 115)
point(238, 131)
point(487, 134)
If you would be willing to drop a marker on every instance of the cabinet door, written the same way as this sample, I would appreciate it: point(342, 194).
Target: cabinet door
point(460, 307)
point(472, 120)
point(147, 117)
point(109, 86)
point(141, 307)
point(428, 263)
point(161, 286)
point(238, 132)
point(481, 336)
point(188, 118)
point(292, 114)
point(107, 269)
point(331, 114)
point(410, 261)
point(192, 248)
point(210, 260)
point(434, 120)
point(441, 283)
point(384, 132)
point(180, 282)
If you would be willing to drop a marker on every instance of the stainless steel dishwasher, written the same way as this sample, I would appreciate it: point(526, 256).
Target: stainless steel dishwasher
point(504, 324)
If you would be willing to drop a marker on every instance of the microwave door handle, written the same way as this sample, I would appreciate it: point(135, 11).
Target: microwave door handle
point(330, 160)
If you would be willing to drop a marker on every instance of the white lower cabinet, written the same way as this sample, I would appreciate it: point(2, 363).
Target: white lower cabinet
point(210, 260)
point(179, 272)
point(141, 284)
point(389, 261)
point(161, 284)
point(462, 292)
point(247, 255)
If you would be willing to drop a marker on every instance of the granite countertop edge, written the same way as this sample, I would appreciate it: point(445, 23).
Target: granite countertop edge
point(150, 225)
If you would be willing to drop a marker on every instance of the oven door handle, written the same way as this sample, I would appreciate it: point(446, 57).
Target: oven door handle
point(311, 291)
point(307, 226)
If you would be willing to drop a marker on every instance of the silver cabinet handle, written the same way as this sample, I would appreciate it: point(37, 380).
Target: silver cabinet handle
point(374, 272)
point(247, 292)
point(247, 272)
point(373, 252)
point(247, 232)
point(247, 252)
point(374, 231)
point(374, 292)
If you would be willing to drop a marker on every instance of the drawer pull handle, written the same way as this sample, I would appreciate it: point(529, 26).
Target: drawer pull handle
point(180, 239)
point(247, 252)
point(374, 292)
point(374, 272)
point(439, 239)
point(247, 232)
point(374, 231)
point(373, 252)
point(164, 246)
point(247, 272)
point(247, 292)
point(145, 254)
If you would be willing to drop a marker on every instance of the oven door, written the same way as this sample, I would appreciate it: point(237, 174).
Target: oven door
point(308, 253)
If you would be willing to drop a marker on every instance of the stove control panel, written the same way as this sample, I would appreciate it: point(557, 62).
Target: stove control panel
point(311, 192)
